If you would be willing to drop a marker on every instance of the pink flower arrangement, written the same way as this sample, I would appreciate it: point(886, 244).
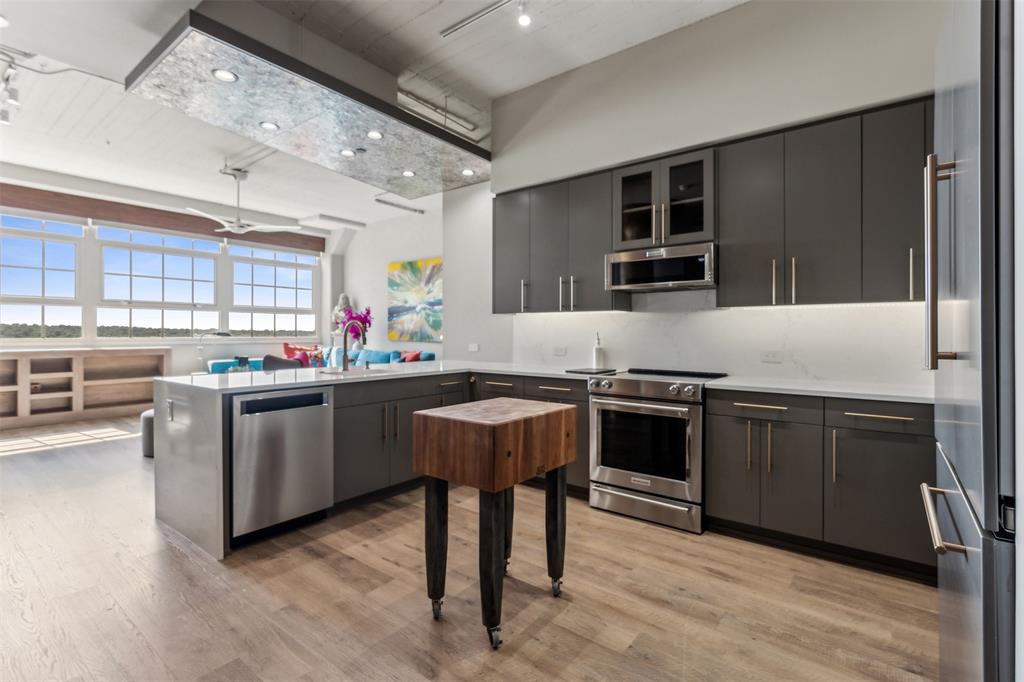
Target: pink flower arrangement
point(365, 318)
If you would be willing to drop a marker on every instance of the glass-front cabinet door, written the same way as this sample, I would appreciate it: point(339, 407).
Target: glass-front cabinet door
point(634, 206)
point(686, 210)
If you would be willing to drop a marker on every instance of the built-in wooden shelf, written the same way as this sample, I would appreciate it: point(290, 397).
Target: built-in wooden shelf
point(77, 383)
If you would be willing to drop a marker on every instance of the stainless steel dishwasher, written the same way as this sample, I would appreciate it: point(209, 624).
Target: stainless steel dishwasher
point(282, 457)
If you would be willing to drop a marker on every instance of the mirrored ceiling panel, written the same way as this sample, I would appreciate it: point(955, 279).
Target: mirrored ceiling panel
point(273, 105)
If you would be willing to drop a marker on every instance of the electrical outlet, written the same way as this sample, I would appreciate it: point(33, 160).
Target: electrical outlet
point(474, 348)
point(561, 350)
point(772, 357)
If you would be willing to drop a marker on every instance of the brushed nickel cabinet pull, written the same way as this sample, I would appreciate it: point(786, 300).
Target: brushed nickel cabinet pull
point(748, 445)
point(396, 421)
point(890, 417)
point(911, 269)
point(938, 544)
point(450, 383)
point(572, 292)
point(522, 295)
point(934, 172)
point(769, 447)
point(793, 287)
point(762, 407)
point(560, 287)
point(554, 388)
point(499, 383)
point(834, 476)
point(654, 223)
point(663, 223)
point(384, 422)
point(773, 281)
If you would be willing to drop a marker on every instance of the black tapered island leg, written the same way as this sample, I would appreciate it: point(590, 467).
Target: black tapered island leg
point(510, 506)
point(554, 526)
point(436, 539)
point(492, 561)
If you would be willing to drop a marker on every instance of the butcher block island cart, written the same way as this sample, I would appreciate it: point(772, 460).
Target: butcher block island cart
point(492, 445)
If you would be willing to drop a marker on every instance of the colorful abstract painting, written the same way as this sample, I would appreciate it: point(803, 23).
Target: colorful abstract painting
point(415, 309)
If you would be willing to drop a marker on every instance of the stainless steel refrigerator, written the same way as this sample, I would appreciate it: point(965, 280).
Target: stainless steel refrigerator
point(969, 339)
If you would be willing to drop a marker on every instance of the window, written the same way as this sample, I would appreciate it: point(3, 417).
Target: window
point(121, 234)
point(154, 322)
point(38, 266)
point(152, 276)
point(277, 289)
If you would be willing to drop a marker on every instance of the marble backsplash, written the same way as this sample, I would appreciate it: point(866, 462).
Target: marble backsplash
point(879, 343)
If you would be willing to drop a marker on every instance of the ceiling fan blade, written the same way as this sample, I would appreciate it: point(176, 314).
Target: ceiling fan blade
point(273, 228)
point(223, 222)
point(226, 228)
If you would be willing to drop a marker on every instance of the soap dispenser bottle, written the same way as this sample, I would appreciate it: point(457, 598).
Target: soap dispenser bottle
point(598, 352)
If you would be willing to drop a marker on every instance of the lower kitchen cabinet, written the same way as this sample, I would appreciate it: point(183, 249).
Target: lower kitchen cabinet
point(361, 450)
point(578, 471)
point(872, 492)
point(791, 478)
point(733, 469)
point(401, 435)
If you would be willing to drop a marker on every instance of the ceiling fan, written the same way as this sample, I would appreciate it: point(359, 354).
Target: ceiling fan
point(237, 225)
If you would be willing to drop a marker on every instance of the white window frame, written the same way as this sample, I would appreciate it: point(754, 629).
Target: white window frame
point(273, 310)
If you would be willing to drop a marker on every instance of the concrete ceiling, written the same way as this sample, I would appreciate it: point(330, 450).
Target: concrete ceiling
point(493, 56)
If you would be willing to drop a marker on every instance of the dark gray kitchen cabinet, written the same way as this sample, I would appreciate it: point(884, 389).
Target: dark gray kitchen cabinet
point(635, 198)
point(511, 252)
point(872, 492)
point(751, 222)
point(733, 469)
point(400, 427)
point(361, 450)
point(578, 471)
point(893, 203)
point(823, 212)
point(791, 491)
point(549, 248)
point(590, 239)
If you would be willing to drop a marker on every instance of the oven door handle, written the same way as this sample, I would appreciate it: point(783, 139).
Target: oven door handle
point(689, 447)
point(643, 408)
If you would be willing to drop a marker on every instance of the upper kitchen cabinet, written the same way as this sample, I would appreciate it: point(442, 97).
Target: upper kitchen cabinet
point(590, 238)
point(664, 202)
point(751, 222)
point(511, 244)
point(893, 203)
point(549, 248)
point(823, 212)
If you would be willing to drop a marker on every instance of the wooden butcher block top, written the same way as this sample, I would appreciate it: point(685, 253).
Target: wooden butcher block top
point(493, 444)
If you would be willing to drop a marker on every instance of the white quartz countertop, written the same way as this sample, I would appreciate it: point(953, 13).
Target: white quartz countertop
point(827, 388)
point(240, 382)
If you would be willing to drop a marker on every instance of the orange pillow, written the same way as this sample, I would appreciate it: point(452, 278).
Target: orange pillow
point(291, 350)
point(410, 355)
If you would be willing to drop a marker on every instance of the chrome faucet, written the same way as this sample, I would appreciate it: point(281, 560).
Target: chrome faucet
point(344, 341)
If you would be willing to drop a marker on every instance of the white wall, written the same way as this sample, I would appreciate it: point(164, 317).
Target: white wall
point(467, 279)
point(365, 267)
point(761, 65)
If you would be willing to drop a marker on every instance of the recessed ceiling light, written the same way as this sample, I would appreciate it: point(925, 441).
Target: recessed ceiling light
point(225, 76)
point(347, 153)
point(524, 18)
point(374, 135)
point(408, 174)
point(468, 172)
point(269, 125)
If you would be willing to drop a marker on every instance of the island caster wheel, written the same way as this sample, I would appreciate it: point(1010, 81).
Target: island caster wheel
point(494, 634)
point(556, 587)
point(507, 564)
point(436, 605)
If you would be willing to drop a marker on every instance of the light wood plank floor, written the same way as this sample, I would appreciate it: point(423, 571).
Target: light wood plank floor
point(92, 587)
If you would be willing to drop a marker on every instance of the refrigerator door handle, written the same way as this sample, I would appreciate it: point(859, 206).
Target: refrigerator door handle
point(934, 172)
point(938, 544)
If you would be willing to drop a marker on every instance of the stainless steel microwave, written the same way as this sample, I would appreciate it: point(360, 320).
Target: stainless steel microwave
point(690, 266)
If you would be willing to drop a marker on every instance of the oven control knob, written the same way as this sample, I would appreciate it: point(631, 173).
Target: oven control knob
point(673, 389)
point(689, 391)
point(593, 383)
point(606, 384)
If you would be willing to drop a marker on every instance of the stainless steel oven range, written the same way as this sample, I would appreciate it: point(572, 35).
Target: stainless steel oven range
point(647, 445)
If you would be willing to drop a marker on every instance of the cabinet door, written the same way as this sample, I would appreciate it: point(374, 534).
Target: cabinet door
point(590, 239)
point(893, 203)
point(823, 213)
point(751, 223)
point(733, 461)
point(549, 248)
point(511, 256)
point(686, 199)
point(361, 447)
point(872, 492)
point(791, 478)
point(634, 206)
point(578, 471)
point(400, 426)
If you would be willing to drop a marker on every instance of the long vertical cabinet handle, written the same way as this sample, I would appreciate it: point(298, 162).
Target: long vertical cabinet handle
point(835, 476)
point(933, 173)
point(748, 445)
point(911, 270)
point(654, 223)
point(522, 295)
point(396, 422)
point(560, 287)
point(572, 292)
point(792, 293)
point(663, 223)
point(769, 447)
point(773, 281)
point(384, 422)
